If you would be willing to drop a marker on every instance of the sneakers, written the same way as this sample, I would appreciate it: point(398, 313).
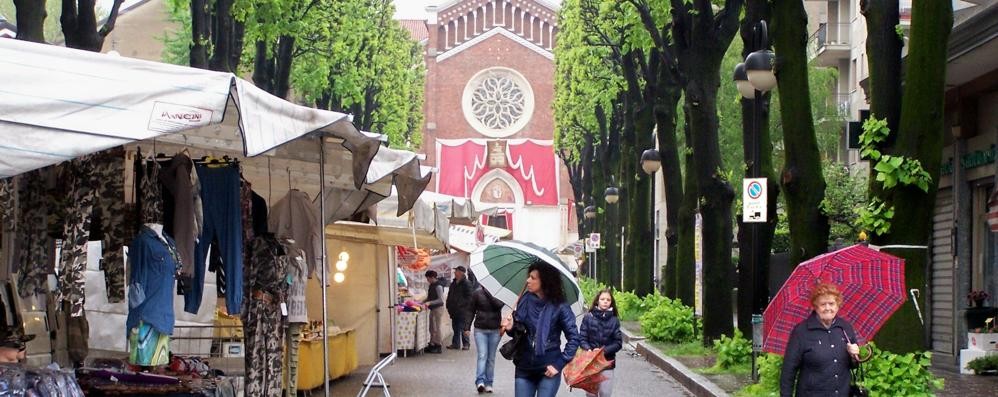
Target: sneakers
point(488, 389)
point(433, 349)
point(481, 388)
point(452, 347)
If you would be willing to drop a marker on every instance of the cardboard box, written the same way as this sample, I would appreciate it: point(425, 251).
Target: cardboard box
point(968, 355)
point(983, 342)
point(233, 349)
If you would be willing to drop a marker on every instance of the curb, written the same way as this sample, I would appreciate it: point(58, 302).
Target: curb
point(695, 383)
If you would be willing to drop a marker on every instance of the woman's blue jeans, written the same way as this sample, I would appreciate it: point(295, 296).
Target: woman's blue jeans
point(486, 341)
point(539, 386)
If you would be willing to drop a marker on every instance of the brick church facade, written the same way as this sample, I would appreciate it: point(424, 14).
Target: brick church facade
point(489, 123)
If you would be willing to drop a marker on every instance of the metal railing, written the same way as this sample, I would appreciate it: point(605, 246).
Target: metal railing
point(838, 34)
point(207, 340)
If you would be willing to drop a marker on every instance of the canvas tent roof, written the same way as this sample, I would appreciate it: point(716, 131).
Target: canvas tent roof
point(60, 103)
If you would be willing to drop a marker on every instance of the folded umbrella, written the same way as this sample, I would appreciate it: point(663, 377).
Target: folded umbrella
point(583, 372)
point(872, 286)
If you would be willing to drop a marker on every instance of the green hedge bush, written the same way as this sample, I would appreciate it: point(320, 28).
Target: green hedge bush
point(887, 374)
point(668, 321)
point(732, 352)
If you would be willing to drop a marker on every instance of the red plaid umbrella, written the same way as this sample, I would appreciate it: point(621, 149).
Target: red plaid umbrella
point(583, 372)
point(872, 286)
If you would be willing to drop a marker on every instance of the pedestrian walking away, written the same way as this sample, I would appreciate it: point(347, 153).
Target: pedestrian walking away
point(458, 307)
point(601, 328)
point(544, 312)
point(820, 351)
point(435, 302)
point(486, 312)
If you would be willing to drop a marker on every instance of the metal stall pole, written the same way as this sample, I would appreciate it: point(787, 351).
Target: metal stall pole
point(323, 276)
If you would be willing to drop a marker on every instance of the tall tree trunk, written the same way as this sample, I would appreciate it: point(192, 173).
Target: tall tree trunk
point(753, 281)
point(200, 33)
point(79, 24)
point(882, 19)
point(920, 137)
point(226, 37)
point(30, 16)
point(637, 273)
point(685, 257)
point(282, 75)
point(601, 177)
point(802, 179)
point(702, 38)
point(667, 99)
point(611, 233)
point(263, 68)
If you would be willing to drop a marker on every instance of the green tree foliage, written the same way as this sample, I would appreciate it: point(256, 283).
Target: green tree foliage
point(348, 56)
point(844, 192)
point(586, 77)
point(366, 64)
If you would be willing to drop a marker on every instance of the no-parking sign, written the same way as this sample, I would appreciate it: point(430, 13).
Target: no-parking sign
point(754, 200)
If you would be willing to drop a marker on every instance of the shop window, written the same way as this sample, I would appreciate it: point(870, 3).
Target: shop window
point(983, 266)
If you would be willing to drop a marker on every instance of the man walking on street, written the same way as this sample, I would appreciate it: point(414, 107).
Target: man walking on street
point(458, 306)
point(435, 302)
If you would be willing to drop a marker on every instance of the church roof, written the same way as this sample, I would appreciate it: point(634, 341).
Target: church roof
point(416, 27)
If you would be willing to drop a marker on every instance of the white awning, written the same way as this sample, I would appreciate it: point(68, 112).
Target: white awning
point(431, 213)
point(58, 103)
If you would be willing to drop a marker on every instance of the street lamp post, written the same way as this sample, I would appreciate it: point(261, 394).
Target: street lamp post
point(754, 78)
point(590, 214)
point(612, 195)
point(651, 162)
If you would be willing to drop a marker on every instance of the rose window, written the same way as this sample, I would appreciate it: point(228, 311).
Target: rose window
point(498, 102)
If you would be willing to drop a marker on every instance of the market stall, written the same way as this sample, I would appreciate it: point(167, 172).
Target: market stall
point(55, 118)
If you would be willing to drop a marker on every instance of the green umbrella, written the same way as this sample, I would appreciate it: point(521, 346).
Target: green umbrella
point(501, 268)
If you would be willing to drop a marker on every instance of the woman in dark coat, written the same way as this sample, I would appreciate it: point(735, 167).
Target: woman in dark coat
point(485, 312)
point(542, 309)
point(821, 350)
point(601, 328)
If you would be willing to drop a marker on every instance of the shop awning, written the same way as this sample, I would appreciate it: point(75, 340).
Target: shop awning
point(59, 103)
point(381, 235)
point(432, 213)
point(464, 238)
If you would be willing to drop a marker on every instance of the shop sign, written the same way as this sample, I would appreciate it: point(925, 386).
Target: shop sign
point(970, 160)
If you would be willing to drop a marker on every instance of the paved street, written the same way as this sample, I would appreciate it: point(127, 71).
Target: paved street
point(453, 374)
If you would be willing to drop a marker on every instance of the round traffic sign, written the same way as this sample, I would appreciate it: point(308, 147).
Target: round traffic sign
point(754, 189)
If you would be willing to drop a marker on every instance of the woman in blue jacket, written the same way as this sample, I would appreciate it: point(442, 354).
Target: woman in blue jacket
point(542, 309)
point(601, 328)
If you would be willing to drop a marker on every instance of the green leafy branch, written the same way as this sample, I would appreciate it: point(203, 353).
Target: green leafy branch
point(891, 171)
point(876, 217)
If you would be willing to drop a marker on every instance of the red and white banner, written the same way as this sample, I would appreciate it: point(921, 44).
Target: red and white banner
point(531, 163)
point(993, 211)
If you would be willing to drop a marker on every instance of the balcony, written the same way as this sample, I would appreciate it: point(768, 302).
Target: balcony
point(829, 44)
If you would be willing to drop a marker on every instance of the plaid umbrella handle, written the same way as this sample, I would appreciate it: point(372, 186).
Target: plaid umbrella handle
point(860, 359)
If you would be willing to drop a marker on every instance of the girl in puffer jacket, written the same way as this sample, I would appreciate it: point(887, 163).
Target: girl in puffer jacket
point(601, 328)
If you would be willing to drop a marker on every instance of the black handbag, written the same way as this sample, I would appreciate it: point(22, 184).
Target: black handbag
point(856, 388)
point(517, 342)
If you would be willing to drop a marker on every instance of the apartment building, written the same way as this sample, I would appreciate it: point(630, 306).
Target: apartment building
point(963, 249)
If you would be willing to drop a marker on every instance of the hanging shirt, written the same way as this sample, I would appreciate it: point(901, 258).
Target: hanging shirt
point(296, 217)
point(298, 276)
point(152, 263)
point(267, 270)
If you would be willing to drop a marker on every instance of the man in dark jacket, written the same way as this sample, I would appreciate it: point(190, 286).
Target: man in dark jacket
point(458, 307)
point(435, 302)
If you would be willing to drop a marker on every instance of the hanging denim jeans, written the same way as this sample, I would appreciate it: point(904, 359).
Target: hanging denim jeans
point(222, 224)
